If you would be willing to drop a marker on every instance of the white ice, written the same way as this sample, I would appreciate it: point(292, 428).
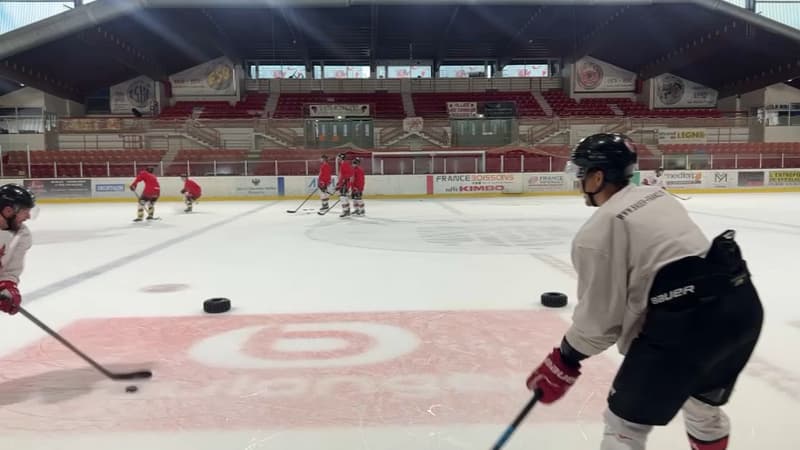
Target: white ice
point(427, 258)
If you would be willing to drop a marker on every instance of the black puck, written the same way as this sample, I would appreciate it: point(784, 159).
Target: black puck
point(217, 305)
point(131, 389)
point(554, 299)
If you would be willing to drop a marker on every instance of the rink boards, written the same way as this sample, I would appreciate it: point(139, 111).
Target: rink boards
point(388, 186)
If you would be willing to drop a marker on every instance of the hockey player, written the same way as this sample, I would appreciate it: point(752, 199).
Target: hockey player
point(657, 180)
point(152, 190)
point(358, 187)
point(16, 206)
point(191, 192)
point(683, 312)
point(323, 181)
point(343, 185)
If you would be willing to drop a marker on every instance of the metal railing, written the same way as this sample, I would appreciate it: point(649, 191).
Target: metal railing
point(387, 164)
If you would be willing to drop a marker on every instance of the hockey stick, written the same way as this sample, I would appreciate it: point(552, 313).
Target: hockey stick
point(103, 370)
point(678, 196)
point(520, 417)
point(304, 202)
point(322, 213)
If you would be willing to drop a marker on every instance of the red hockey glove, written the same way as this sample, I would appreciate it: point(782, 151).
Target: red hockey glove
point(9, 297)
point(553, 377)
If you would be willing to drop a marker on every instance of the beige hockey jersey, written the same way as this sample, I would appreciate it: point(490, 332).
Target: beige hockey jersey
point(13, 248)
point(617, 254)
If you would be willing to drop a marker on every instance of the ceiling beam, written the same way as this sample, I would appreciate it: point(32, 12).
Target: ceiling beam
point(296, 27)
point(598, 37)
point(441, 51)
point(373, 33)
point(223, 41)
point(34, 78)
point(123, 52)
point(777, 74)
point(690, 52)
point(518, 40)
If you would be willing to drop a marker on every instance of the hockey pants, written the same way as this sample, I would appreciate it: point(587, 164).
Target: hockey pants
point(703, 423)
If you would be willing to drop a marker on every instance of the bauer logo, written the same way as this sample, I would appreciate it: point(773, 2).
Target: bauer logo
point(116, 187)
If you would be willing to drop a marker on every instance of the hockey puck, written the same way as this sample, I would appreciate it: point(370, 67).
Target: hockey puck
point(131, 389)
point(554, 299)
point(217, 305)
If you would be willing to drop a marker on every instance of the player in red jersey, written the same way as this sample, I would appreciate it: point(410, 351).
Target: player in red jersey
point(191, 192)
point(150, 194)
point(323, 181)
point(343, 185)
point(358, 187)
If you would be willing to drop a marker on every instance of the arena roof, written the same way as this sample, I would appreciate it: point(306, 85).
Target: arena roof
point(91, 47)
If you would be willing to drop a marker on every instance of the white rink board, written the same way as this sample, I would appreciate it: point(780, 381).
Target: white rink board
point(241, 187)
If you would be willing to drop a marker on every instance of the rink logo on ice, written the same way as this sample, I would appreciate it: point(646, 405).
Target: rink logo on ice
point(372, 369)
point(305, 345)
point(475, 183)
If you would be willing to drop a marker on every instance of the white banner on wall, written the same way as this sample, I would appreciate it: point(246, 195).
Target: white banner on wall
point(338, 109)
point(494, 183)
point(671, 91)
point(593, 75)
point(140, 93)
point(682, 136)
point(462, 109)
point(213, 78)
point(256, 186)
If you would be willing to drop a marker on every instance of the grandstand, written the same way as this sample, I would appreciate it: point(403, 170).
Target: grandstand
point(232, 96)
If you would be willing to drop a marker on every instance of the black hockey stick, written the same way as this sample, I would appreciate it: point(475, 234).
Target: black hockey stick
point(322, 213)
point(520, 417)
point(304, 202)
point(103, 370)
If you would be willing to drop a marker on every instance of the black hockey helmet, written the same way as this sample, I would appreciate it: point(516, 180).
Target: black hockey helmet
point(356, 161)
point(342, 156)
point(612, 153)
point(16, 196)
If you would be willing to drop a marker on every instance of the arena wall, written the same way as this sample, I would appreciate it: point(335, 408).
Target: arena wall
point(409, 186)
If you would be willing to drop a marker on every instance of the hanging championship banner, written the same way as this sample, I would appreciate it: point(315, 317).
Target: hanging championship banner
point(215, 77)
point(671, 91)
point(338, 110)
point(139, 93)
point(593, 75)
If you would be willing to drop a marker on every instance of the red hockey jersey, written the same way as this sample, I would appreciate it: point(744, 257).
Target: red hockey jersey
point(192, 188)
point(345, 173)
point(358, 179)
point(151, 186)
point(324, 178)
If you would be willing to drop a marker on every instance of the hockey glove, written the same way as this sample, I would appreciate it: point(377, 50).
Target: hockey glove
point(553, 377)
point(183, 191)
point(10, 297)
point(132, 187)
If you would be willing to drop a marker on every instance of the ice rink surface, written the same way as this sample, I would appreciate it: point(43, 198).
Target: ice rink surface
point(412, 328)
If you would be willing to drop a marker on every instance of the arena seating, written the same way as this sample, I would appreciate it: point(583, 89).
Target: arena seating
point(202, 162)
point(563, 105)
point(96, 163)
point(382, 105)
point(251, 106)
point(434, 104)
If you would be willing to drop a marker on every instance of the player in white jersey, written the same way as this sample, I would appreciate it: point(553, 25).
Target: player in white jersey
point(682, 310)
point(657, 180)
point(16, 206)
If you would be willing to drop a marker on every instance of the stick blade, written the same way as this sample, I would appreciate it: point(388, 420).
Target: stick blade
point(290, 211)
point(132, 375)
